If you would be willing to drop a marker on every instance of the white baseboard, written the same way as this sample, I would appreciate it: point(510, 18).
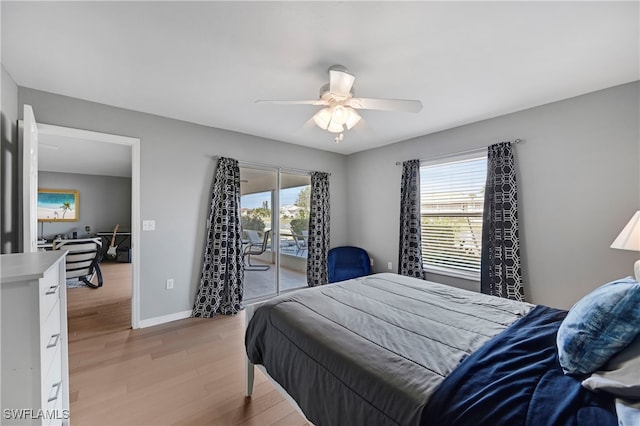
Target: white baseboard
point(165, 318)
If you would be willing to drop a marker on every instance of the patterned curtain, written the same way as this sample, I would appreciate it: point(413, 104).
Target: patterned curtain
point(317, 272)
point(500, 268)
point(221, 280)
point(410, 251)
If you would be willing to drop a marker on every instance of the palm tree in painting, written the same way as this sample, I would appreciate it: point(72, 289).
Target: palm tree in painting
point(66, 206)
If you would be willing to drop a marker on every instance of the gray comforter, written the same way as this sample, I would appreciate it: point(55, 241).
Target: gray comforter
point(371, 351)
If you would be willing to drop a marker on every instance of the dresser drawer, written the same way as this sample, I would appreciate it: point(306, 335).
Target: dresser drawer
point(52, 386)
point(49, 291)
point(56, 414)
point(50, 338)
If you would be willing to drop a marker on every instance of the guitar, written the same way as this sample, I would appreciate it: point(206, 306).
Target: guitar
point(111, 252)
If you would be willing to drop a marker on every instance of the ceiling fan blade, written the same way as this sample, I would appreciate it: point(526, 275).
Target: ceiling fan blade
point(403, 105)
point(340, 82)
point(300, 102)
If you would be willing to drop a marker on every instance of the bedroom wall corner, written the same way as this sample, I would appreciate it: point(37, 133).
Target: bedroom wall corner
point(10, 165)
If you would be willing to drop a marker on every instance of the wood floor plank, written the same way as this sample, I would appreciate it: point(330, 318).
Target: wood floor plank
point(258, 405)
point(294, 418)
point(187, 372)
point(274, 413)
point(224, 401)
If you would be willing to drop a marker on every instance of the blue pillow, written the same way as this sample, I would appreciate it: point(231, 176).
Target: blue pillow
point(597, 327)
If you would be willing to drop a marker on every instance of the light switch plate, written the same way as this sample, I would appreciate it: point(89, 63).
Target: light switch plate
point(148, 225)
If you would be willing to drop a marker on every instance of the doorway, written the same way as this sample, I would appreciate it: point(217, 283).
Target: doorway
point(274, 239)
point(51, 140)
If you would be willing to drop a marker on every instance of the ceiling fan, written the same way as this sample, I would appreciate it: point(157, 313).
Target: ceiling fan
point(339, 112)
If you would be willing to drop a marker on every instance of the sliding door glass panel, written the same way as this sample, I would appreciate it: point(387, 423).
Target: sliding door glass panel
point(258, 193)
point(294, 225)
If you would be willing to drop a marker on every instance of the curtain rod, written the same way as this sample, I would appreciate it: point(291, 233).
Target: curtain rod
point(270, 166)
point(453, 154)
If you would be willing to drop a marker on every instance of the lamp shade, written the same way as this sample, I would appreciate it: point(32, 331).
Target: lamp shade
point(340, 114)
point(335, 127)
point(629, 238)
point(352, 118)
point(322, 118)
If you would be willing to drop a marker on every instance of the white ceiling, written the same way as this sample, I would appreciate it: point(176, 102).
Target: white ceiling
point(84, 156)
point(207, 62)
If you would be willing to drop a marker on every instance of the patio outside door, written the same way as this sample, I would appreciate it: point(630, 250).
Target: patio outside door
point(279, 263)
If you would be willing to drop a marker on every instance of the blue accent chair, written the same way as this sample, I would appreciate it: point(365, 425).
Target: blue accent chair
point(347, 262)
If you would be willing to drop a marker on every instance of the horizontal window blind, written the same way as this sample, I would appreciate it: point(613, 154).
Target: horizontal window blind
point(451, 204)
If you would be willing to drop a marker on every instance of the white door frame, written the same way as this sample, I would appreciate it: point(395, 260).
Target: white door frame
point(134, 143)
point(28, 128)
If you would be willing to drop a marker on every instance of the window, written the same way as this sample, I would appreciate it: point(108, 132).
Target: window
point(451, 204)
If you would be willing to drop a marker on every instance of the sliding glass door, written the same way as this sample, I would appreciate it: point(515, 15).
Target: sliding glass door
point(275, 239)
point(257, 189)
point(294, 224)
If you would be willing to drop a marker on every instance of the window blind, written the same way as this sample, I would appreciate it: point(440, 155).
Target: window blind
point(451, 205)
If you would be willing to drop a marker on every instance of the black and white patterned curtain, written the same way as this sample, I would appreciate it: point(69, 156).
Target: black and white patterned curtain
point(222, 277)
point(410, 250)
point(500, 268)
point(318, 244)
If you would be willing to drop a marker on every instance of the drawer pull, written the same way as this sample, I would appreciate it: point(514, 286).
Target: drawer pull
point(53, 341)
point(52, 289)
point(57, 387)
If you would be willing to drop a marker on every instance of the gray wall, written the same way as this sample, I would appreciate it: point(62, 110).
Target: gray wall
point(9, 158)
point(104, 202)
point(579, 182)
point(176, 175)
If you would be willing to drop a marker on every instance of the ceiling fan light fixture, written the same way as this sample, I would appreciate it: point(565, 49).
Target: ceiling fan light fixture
point(340, 114)
point(339, 105)
point(352, 118)
point(335, 127)
point(336, 118)
point(323, 118)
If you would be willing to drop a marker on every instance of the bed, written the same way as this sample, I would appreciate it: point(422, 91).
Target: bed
point(392, 350)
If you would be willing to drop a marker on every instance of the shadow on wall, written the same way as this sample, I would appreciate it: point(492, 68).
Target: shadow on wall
point(10, 199)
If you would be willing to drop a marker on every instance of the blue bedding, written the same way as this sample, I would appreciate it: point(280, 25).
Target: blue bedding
point(516, 379)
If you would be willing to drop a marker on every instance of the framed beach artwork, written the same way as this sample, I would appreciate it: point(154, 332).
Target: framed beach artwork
point(57, 205)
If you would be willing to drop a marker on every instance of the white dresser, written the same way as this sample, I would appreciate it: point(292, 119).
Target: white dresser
point(35, 367)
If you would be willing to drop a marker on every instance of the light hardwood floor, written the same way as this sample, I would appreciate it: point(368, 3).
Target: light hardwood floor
point(187, 372)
